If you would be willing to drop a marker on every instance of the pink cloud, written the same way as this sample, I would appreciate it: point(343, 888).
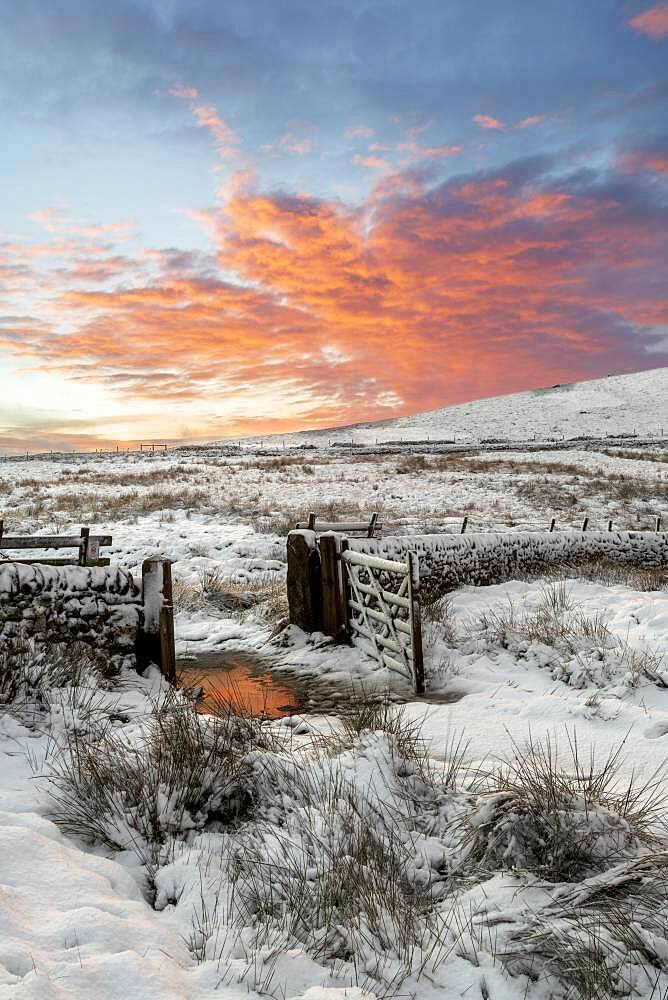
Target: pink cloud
point(652, 22)
point(225, 138)
point(530, 121)
point(643, 161)
point(371, 162)
point(183, 91)
point(487, 122)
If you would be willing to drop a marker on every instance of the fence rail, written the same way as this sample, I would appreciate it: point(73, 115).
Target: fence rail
point(365, 529)
point(88, 547)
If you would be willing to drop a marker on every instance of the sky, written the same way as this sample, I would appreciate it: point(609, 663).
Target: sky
point(223, 219)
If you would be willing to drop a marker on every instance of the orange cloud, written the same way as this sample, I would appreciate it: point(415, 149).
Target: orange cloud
point(487, 122)
point(652, 22)
point(327, 312)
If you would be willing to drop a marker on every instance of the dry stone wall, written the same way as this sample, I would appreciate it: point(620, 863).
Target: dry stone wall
point(101, 606)
point(450, 561)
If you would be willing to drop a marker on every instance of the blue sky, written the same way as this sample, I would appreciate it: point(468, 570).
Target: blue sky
point(163, 159)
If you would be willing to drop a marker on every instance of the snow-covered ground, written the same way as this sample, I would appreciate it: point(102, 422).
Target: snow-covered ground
point(528, 658)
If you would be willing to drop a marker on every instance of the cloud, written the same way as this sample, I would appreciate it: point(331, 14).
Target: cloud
point(225, 138)
point(184, 92)
point(487, 122)
point(359, 132)
point(493, 124)
point(297, 141)
point(424, 294)
point(645, 161)
point(370, 162)
point(56, 219)
point(530, 121)
point(652, 22)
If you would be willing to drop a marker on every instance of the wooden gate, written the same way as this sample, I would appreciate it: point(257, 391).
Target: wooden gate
point(382, 609)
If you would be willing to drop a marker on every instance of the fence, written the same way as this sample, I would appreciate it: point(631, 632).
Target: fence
point(88, 547)
point(362, 529)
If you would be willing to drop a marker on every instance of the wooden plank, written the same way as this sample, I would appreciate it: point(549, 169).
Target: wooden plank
point(382, 640)
point(50, 541)
point(342, 526)
point(379, 616)
point(415, 624)
point(374, 562)
point(387, 595)
point(329, 576)
point(83, 546)
point(345, 592)
point(393, 664)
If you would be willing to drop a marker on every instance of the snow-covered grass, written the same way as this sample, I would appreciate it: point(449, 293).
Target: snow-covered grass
point(277, 857)
point(491, 839)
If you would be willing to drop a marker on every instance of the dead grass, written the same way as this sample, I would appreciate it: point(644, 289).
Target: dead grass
point(604, 571)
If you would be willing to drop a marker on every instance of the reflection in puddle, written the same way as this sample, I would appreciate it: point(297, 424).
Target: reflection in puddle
point(240, 680)
point(244, 681)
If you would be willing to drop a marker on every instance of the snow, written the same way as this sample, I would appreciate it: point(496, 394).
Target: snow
point(77, 919)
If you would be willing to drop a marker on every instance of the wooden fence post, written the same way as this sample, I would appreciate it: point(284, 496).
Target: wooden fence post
point(585, 523)
point(552, 523)
point(155, 643)
point(464, 523)
point(415, 623)
point(83, 549)
point(332, 597)
point(304, 591)
point(657, 525)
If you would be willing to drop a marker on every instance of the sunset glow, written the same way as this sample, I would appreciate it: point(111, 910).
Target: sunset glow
point(231, 219)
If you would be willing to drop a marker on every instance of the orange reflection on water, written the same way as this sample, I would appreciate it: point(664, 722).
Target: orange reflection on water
point(248, 693)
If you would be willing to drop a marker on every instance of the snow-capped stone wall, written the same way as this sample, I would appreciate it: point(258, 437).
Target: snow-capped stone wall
point(481, 559)
point(101, 606)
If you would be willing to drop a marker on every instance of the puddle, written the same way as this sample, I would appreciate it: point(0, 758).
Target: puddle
point(243, 680)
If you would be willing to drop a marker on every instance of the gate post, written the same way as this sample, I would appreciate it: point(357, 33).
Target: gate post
point(333, 621)
point(155, 641)
point(304, 590)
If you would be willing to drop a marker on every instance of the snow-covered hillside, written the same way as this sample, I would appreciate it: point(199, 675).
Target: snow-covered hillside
point(619, 404)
